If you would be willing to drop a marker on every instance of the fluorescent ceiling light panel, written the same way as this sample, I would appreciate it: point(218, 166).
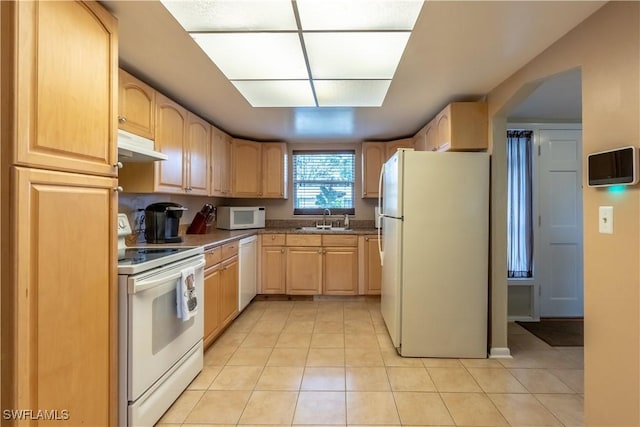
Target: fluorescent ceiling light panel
point(277, 93)
point(325, 121)
point(355, 55)
point(233, 15)
point(358, 14)
point(351, 93)
point(255, 56)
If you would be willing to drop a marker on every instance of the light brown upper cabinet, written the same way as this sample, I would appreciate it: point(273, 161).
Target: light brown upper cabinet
point(170, 139)
point(66, 93)
point(258, 169)
point(420, 141)
point(373, 156)
point(425, 139)
point(274, 170)
point(462, 126)
point(137, 106)
point(247, 166)
point(185, 139)
point(220, 163)
point(197, 156)
point(431, 135)
point(392, 146)
point(163, 176)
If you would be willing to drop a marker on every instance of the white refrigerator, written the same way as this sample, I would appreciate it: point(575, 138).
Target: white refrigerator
point(434, 253)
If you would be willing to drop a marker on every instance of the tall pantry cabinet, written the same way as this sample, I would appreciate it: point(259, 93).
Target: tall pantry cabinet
point(58, 175)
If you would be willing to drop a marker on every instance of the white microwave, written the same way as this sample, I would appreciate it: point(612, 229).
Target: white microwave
point(239, 217)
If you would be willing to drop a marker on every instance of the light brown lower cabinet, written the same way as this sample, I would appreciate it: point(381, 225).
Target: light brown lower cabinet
point(220, 290)
point(273, 271)
point(65, 348)
point(340, 275)
point(304, 271)
point(308, 264)
point(372, 267)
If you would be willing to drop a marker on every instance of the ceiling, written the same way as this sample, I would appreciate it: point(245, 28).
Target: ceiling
point(459, 51)
point(557, 99)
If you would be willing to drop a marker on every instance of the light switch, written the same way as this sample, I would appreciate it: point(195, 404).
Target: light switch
point(605, 219)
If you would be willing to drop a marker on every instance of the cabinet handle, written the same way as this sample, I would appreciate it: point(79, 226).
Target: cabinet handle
point(319, 251)
point(366, 239)
point(118, 189)
point(282, 250)
point(118, 165)
point(122, 119)
point(365, 193)
point(273, 237)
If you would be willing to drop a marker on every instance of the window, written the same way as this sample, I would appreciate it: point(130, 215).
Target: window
point(323, 179)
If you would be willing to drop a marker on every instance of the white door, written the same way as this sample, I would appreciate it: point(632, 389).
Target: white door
point(560, 225)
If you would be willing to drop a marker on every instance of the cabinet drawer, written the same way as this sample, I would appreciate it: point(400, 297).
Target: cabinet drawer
point(229, 250)
point(213, 256)
point(304, 240)
point(340, 240)
point(273, 240)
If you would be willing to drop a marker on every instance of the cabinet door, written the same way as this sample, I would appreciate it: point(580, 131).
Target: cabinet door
point(171, 121)
point(372, 267)
point(420, 141)
point(373, 156)
point(304, 271)
point(221, 164)
point(272, 270)
point(392, 147)
point(137, 106)
point(66, 95)
point(197, 156)
point(443, 127)
point(246, 171)
point(340, 271)
point(431, 137)
point(229, 290)
point(274, 167)
point(212, 315)
point(66, 355)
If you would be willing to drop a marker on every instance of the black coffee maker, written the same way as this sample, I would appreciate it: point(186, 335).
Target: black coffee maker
point(162, 221)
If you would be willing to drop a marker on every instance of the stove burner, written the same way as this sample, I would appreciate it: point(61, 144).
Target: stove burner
point(140, 255)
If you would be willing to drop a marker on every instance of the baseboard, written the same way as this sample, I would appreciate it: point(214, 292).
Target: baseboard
point(500, 353)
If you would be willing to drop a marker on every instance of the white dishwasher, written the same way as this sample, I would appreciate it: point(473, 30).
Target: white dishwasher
point(248, 271)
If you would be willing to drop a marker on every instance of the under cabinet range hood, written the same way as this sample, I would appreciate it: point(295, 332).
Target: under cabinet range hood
point(134, 148)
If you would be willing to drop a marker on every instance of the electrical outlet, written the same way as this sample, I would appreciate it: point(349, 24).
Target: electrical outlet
point(605, 219)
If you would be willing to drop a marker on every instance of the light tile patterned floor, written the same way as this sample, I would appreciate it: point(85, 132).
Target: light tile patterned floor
point(330, 362)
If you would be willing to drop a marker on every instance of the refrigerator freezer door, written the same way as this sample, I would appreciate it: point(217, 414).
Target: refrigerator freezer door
point(391, 277)
point(393, 183)
point(445, 255)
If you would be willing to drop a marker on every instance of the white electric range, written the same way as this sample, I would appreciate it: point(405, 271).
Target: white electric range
point(160, 354)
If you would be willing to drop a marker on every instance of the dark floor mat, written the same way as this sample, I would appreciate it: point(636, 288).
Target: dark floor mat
point(557, 332)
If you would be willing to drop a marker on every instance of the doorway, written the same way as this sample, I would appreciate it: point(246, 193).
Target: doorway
point(555, 289)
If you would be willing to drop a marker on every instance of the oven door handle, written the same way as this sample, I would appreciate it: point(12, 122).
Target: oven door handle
point(143, 285)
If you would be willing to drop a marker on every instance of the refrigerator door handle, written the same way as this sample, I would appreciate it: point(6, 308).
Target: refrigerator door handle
point(380, 215)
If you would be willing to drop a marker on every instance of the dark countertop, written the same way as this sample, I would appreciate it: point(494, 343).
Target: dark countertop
point(219, 237)
point(357, 231)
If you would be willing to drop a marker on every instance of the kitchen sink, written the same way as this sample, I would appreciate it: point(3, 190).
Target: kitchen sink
point(324, 228)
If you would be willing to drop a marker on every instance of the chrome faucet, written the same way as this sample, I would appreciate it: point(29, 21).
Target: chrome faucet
point(326, 212)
